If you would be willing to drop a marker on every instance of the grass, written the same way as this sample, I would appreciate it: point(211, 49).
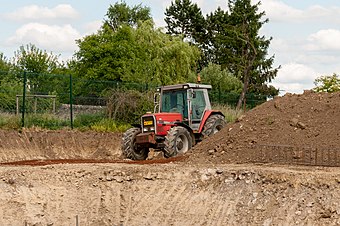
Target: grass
point(230, 113)
point(96, 122)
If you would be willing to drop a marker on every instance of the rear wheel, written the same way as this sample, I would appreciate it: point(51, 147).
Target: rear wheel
point(213, 124)
point(129, 147)
point(177, 141)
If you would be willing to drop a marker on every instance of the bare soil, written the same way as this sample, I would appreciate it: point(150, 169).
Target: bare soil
point(237, 177)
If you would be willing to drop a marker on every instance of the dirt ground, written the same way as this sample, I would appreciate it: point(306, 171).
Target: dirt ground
point(237, 177)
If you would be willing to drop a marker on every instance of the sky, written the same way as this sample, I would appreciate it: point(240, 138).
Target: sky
point(305, 33)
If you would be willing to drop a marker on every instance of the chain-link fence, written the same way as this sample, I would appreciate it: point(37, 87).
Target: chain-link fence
point(30, 99)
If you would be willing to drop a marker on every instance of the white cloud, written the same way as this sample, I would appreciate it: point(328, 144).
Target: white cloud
point(35, 13)
point(56, 38)
point(324, 40)
point(93, 27)
point(277, 10)
point(294, 78)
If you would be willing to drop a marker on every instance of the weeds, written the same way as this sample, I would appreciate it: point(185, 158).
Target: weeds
point(230, 113)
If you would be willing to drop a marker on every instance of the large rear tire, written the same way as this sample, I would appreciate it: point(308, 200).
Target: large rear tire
point(177, 141)
point(213, 124)
point(129, 148)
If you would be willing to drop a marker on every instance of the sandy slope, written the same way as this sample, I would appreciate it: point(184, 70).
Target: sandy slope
point(170, 194)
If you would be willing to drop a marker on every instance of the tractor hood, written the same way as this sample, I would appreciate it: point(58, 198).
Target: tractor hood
point(162, 122)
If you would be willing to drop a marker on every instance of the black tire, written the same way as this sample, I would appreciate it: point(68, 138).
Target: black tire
point(213, 124)
point(129, 148)
point(177, 141)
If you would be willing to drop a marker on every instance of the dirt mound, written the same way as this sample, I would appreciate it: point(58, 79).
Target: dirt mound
point(63, 144)
point(291, 129)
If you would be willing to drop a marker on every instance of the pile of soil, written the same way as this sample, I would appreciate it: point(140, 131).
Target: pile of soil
point(308, 122)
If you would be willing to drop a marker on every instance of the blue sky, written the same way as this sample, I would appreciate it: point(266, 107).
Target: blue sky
point(305, 33)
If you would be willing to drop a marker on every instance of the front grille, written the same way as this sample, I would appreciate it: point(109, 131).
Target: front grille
point(148, 124)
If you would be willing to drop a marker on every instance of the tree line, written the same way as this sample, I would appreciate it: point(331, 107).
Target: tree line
point(224, 47)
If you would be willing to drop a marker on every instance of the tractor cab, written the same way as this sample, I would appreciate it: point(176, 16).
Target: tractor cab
point(190, 100)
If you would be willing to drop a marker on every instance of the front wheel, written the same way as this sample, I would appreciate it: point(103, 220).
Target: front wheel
point(129, 148)
point(213, 124)
point(177, 141)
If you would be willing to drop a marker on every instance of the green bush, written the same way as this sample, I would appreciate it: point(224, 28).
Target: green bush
point(46, 121)
point(108, 125)
point(87, 120)
point(9, 121)
point(128, 105)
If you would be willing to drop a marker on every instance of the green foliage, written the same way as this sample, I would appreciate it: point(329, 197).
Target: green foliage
point(38, 66)
point(98, 122)
point(9, 121)
point(46, 121)
point(87, 120)
point(108, 125)
point(185, 18)
point(143, 55)
point(9, 88)
point(161, 59)
point(220, 79)
point(328, 83)
point(239, 46)
point(4, 64)
point(32, 59)
point(128, 105)
point(230, 113)
point(121, 14)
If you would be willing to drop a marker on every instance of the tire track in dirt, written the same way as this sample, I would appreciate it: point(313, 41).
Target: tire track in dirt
point(168, 203)
point(217, 204)
point(177, 204)
point(161, 203)
point(204, 198)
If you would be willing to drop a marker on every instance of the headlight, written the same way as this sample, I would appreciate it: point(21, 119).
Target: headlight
point(148, 129)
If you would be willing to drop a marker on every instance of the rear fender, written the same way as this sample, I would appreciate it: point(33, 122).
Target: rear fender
point(206, 115)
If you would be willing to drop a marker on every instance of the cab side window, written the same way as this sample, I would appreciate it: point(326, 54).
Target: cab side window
point(198, 105)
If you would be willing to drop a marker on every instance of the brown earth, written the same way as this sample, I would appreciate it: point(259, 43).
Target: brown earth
point(205, 187)
point(302, 129)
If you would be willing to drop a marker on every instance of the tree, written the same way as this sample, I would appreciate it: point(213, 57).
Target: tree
point(4, 64)
point(221, 79)
point(162, 59)
point(39, 65)
point(32, 59)
point(185, 19)
point(245, 50)
point(216, 40)
point(121, 14)
point(144, 54)
point(328, 83)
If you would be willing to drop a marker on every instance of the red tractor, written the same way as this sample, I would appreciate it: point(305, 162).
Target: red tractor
point(182, 117)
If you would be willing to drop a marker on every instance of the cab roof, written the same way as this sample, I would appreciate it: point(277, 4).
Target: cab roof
point(185, 86)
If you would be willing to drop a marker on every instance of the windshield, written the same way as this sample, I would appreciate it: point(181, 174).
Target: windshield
point(175, 101)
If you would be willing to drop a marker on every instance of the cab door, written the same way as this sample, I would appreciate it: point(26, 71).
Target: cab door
point(198, 107)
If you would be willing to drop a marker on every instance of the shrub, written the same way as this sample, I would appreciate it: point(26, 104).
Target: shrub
point(128, 105)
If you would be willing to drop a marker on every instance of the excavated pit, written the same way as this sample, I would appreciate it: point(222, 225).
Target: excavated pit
point(265, 169)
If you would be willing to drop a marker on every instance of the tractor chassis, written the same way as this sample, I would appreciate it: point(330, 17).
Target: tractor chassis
point(150, 140)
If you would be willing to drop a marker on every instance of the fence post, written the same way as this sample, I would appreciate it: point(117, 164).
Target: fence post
point(71, 102)
point(24, 101)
